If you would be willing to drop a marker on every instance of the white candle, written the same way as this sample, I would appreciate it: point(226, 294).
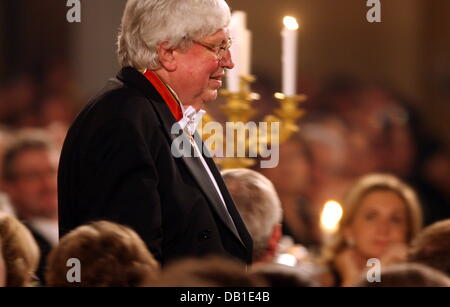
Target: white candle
point(246, 53)
point(240, 50)
point(233, 74)
point(289, 57)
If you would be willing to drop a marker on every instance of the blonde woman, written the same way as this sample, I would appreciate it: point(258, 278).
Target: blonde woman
point(381, 216)
point(20, 252)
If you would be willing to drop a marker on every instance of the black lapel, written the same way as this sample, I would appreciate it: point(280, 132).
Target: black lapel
point(226, 195)
point(131, 76)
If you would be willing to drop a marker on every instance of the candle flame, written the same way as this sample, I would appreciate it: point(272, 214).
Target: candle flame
point(290, 23)
point(279, 96)
point(331, 215)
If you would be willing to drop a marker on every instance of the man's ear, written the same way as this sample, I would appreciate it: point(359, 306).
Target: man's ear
point(166, 56)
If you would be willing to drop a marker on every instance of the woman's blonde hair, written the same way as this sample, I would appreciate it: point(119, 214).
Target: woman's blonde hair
point(352, 201)
point(20, 251)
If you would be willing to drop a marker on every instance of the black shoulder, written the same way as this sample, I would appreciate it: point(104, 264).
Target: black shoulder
point(117, 101)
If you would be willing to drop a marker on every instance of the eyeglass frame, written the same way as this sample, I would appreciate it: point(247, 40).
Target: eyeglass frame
point(217, 49)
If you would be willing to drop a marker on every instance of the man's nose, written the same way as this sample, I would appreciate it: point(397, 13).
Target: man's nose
point(226, 61)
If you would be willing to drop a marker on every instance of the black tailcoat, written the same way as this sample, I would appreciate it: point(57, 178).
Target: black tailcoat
point(116, 164)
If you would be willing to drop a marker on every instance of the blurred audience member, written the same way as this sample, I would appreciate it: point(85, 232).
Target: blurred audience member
point(437, 171)
point(292, 180)
point(58, 102)
point(381, 216)
point(432, 180)
point(2, 267)
point(5, 205)
point(18, 99)
point(109, 254)
point(402, 145)
point(326, 139)
point(432, 247)
point(260, 208)
point(211, 271)
point(58, 79)
point(279, 275)
point(29, 179)
point(339, 95)
point(56, 109)
point(386, 134)
point(38, 97)
point(329, 141)
point(57, 131)
point(20, 252)
point(5, 139)
point(408, 275)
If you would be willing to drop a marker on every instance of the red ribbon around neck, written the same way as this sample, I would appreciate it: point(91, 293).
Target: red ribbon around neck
point(165, 94)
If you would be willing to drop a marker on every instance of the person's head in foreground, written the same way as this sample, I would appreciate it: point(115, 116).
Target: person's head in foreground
point(432, 247)
point(186, 43)
point(381, 215)
point(106, 254)
point(19, 250)
point(408, 275)
point(260, 208)
point(212, 271)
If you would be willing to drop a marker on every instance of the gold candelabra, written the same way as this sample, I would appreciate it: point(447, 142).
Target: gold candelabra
point(239, 109)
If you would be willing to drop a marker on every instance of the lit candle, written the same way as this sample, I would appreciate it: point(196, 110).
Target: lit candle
point(330, 216)
point(240, 50)
point(246, 53)
point(289, 57)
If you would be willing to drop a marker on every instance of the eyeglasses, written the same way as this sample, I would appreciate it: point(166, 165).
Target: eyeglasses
point(220, 51)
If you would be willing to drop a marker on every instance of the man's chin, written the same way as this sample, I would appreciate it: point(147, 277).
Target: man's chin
point(210, 96)
point(216, 84)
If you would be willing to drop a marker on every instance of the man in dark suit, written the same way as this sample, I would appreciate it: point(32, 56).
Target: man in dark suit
point(29, 167)
point(118, 161)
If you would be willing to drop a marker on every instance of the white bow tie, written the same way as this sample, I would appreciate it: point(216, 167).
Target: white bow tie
point(190, 119)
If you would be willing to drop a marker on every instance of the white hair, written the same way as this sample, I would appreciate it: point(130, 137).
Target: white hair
point(146, 23)
point(257, 202)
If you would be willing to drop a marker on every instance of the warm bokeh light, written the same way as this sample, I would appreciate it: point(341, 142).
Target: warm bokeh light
point(290, 23)
point(287, 259)
point(279, 96)
point(331, 215)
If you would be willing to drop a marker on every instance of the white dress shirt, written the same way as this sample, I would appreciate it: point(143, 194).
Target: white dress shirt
point(198, 152)
point(205, 165)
